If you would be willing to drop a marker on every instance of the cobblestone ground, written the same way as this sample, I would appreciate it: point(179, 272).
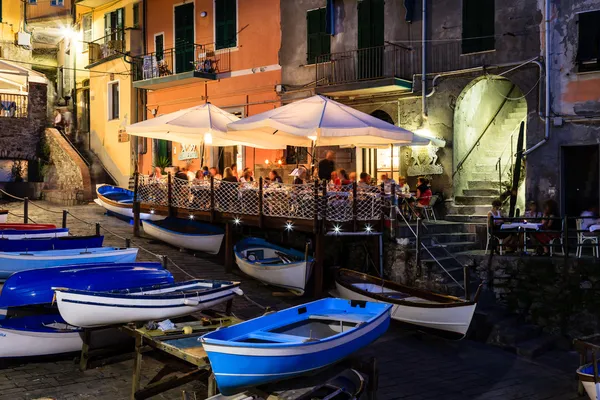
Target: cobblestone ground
point(412, 366)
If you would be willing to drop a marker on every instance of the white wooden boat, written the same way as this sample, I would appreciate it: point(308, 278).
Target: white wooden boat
point(275, 265)
point(585, 373)
point(186, 233)
point(3, 216)
point(154, 303)
point(410, 305)
point(119, 201)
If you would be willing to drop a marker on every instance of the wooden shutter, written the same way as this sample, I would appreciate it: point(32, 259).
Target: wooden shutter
point(318, 41)
point(478, 26)
point(225, 23)
point(589, 36)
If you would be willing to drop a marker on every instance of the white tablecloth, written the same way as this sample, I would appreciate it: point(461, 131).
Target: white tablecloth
point(521, 225)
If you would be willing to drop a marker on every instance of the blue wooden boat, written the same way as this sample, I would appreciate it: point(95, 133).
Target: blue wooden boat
point(24, 233)
point(187, 234)
point(11, 262)
point(292, 342)
point(55, 243)
point(34, 287)
point(119, 201)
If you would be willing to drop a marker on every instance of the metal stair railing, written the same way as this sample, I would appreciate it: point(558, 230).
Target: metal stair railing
point(510, 164)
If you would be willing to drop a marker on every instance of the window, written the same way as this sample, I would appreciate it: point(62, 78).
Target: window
point(113, 25)
point(588, 50)
point(113, 100)
point(86, 24)
point(225, 23)
point(33, 2)
point(478, 26)
point(318, 41)
point(0, 10)
point(159, 46)
point(136, 15)
point(57, 3)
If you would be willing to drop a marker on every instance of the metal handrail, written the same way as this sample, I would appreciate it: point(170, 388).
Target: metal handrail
point(466, 156)
point(512, 153)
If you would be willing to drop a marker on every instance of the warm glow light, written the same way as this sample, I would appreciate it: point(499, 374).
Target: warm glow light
point(191, 216)
point(208, 138)
point(313, 138)
point(279, 162)
point(267, 161)
point(67, 32)
point(152, 211)
point(424, 132)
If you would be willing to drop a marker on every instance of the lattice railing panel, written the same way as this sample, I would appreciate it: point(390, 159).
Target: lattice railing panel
point(289, 201)
point(199, 196)
point(152, 191)
point(339, 203)
point(368, 203)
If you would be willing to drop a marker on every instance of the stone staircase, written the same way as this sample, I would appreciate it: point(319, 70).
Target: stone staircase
point(483, 185)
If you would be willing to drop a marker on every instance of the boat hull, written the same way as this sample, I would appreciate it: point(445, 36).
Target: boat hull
point(95, 309)
point(17, 343)
point(124, 206)
point(210, 244)
point(585, 373)
point(54, 243)
point(3, 216)
point(13, 262)
point(454, 319)
point(290, 276)
point(242, 363)
point(33, 234)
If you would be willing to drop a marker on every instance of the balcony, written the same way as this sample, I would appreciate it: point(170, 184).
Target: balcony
point(92, 3)
point(13, 105)
point(181, 65)
point(389, 68)
point(114, 45)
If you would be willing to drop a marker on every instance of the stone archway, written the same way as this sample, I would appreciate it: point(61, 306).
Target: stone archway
point(488, 113)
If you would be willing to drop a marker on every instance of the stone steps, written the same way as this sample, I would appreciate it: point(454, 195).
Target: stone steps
point(481, 192)
point(477, 219)
point(474, 200)
point(469, 209)
point(451, 237)
point(482, 185)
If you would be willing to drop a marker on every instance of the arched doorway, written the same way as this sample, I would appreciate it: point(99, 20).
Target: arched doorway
point(487, 117)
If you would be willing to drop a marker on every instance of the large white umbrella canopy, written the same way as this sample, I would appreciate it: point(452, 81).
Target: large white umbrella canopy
point(320, 120)
point(205, 123)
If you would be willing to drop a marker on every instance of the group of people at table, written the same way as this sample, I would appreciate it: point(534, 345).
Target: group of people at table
point(544, 226)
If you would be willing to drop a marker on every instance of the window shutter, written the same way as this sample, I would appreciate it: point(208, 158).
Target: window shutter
point(478, 25)
point(231, 23)
point(313, 25)
point(225, 23)
point(589, 36)
point(0, 10)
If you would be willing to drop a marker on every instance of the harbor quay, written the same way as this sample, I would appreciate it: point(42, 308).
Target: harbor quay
point(411, 365)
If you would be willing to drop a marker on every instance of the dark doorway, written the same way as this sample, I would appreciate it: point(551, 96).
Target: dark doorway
point(184, 38)
point(371, 15)
point(580, 178)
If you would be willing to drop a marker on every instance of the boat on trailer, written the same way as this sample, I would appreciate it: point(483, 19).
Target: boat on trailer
point(3, 216)
point(410, 305)
point(186, 233)
point(11, 262)
point(274, 265)
point(119, 201)
point(88, 308)
point(34, 287)
point(292, 342)
point(54, 243)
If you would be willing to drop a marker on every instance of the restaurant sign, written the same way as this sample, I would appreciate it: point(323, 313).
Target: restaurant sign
point(188, 152)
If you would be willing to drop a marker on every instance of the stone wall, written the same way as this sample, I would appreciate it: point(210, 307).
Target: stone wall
point(68, 179)
point(20, 136)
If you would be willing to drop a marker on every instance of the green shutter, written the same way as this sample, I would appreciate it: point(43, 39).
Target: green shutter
point(225, 23)
point(318, 41)
point(0, 10)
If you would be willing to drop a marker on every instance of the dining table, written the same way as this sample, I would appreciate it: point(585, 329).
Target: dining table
point(523, 227)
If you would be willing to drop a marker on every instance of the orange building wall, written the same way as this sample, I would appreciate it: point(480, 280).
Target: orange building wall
point(258, 43)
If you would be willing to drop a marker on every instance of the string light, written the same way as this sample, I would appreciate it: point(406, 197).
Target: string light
point(267, 161)
point(368, 228)
point(237, 221)
point(289, 226)
point(337, 229)
point(152, 211)
point(191, 216)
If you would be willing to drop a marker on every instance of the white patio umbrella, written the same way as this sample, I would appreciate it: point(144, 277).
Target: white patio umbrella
point(318, 121)
point(205, 123)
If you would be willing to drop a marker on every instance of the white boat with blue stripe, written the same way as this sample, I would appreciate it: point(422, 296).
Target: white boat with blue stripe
point(274, 265)
point(153, 303)
point(292, 342)
point(186, 233)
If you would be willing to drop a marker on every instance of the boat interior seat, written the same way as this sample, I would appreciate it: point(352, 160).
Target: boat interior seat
point(271, 260)
point(344, 317)
point(276, 337)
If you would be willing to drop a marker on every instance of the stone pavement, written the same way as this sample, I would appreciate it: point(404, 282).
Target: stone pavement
point(412, 365)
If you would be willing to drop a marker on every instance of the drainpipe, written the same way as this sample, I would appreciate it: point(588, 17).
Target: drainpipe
point(424, 59)
point(547, 94)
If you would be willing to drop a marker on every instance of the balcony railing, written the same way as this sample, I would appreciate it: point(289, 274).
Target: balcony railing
point(202, 58)
point(109, 45)
point(13, 105)
point(394, 60)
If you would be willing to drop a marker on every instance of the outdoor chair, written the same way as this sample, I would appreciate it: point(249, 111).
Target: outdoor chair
point(491, 236)
point(559, 241)
point(428, 209)
point(582, 238)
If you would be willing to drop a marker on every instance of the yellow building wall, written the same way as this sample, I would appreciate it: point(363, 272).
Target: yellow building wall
point(116, 156)
point(12, 18)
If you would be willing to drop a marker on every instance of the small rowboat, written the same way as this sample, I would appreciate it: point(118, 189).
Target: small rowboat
point(186, 233)
point(13, 262)
point(90, 309)
point(55, 243)
point(3, 216)
point(119, 201)
point(46, 334)
point(410, 305)
point(31, 231)
point(585, 373)
point(292, 342)
point(34, 287)
point(275, 265)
